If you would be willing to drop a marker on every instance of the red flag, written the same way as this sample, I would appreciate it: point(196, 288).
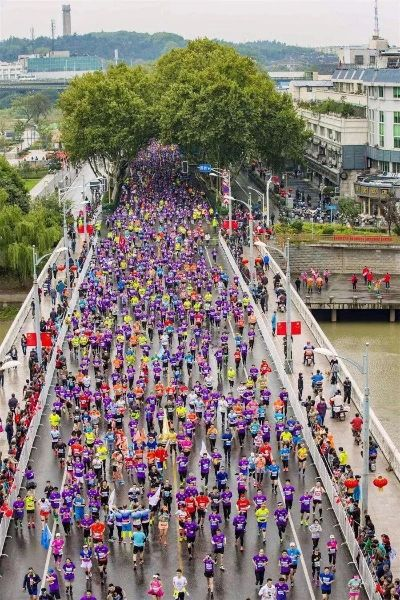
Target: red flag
point(225, 225)
point(295, 327)
point(45, 337)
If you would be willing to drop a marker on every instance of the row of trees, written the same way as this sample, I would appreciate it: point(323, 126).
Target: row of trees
point(23, 224)
point(217, 105)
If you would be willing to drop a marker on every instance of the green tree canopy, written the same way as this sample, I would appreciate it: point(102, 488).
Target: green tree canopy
point(218, 105)
point(13, 185)
point(107, 117)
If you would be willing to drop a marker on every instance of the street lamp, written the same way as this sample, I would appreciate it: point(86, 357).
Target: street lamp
point(222, 173)
point(289, 347)
point(363, 368)
point(36, 261)
point(260, 195)
point(267, 194)
point(248, 205)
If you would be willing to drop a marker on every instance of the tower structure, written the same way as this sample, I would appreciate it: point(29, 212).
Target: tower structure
point(66, 13)
point(376, 20)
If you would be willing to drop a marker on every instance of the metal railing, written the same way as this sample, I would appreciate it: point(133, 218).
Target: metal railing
point(300, 414)
point(34, 425)
point(386, 445)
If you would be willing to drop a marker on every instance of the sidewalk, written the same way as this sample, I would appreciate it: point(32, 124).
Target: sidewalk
point(14, 379)
point(383, 506)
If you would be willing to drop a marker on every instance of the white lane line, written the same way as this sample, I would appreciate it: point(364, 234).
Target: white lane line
point(292, 526)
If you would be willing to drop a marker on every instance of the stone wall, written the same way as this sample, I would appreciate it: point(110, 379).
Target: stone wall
point(341, 258)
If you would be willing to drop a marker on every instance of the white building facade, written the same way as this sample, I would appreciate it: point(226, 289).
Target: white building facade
point(10, 71)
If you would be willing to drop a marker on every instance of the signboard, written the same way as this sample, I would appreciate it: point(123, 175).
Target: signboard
point(205, 168)
point(332, 207)
point(295, 327)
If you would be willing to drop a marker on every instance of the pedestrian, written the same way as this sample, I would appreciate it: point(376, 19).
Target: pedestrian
point(138, 541)
point(347, 390)
point(209, 564)
point(315, 529)
point(354, 280)
point(156, 589)
point(273, 323)
point(179, 584)
point(260, 561)
point(267, 591)
point(297, 283)
point(52, 582)
point(24, 344)
point(31, 583)
point(300, 386)
point(326, 578)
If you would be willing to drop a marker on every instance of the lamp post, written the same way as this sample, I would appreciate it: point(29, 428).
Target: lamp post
point(222, 173)
point(248, 205)
point(289, 349)
point(363, 368)
point(289, 346)
point(36, 320)
point(260, 195)
point(267, 195)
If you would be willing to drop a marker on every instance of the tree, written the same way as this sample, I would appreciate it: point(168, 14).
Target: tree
point(13, 185)
point(32, 107)
point(107, 117)
point(391, 214)
point(219, 106)
point(349, 209)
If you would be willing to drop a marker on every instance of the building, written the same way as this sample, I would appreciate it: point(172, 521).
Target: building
point(10, 71)
point(66, 15)
point(363, 56)
point(58, 65)
point(373, 191)
point(335, 154)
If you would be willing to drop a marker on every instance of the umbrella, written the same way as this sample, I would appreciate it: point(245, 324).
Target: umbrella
point(10, 364)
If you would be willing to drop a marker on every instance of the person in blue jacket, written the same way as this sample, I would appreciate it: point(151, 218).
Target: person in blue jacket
point(326, 578)
point(31, 583)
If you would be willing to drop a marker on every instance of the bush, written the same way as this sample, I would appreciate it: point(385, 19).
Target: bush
point(297, 226)
point(328, 230)
point(396, 229)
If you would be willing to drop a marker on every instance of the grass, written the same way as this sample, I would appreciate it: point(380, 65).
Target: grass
point(30, 183)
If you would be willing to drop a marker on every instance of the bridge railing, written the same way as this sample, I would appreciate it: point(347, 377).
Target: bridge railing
point(34, 425)
point(300, 414)
point(386, 445)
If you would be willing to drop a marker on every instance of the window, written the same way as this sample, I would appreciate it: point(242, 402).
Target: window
point(396, 130)
point(322, 131)
point(384, 166)
point(380, 91)
point(381, 128)
point(396, 92)
point(395, 167)
point(359, 88)
point(338, 137)
point(372, 60)
point(359, 59)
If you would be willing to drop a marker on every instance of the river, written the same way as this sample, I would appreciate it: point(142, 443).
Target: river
point(384, 364)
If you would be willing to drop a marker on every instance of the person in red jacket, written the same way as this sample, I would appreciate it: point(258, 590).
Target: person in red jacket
point(242, 503)
point(202, 501)
point(386, 278)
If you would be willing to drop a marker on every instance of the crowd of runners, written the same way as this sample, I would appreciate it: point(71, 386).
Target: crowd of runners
point(163, 423)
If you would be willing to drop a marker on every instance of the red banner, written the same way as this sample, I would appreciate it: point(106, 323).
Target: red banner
point(45, 338)
point(295, 327)
point(225, 225)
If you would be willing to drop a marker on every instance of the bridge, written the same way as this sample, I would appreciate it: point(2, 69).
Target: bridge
point(267, 346)
point(33, 85)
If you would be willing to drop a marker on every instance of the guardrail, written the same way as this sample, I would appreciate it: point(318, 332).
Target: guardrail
point(300, 414)
point(23, 312)
point(34, 426)
point(337, 238)
point(387, 447)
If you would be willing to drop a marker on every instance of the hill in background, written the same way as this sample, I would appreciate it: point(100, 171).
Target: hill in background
point(136, 47)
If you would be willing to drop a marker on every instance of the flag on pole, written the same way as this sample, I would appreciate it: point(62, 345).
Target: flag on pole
point(45, 538)
point(203, 450)
point(111, 500)
point(155, 498)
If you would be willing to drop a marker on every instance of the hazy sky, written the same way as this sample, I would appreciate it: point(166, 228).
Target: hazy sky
point(307, 22)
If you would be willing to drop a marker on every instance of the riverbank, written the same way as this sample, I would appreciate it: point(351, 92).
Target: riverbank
point(349, 339)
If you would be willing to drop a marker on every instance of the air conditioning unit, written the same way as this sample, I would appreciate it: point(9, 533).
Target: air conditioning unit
point(323, 161)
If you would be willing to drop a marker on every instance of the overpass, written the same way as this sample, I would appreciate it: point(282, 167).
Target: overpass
point(33, 85)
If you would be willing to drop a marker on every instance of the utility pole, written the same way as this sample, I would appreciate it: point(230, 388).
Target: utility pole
point(53, 33)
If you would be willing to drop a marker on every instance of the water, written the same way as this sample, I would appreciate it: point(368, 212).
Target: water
point(384, 365)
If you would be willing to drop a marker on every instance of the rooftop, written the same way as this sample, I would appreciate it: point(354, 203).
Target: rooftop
point(367, 75)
